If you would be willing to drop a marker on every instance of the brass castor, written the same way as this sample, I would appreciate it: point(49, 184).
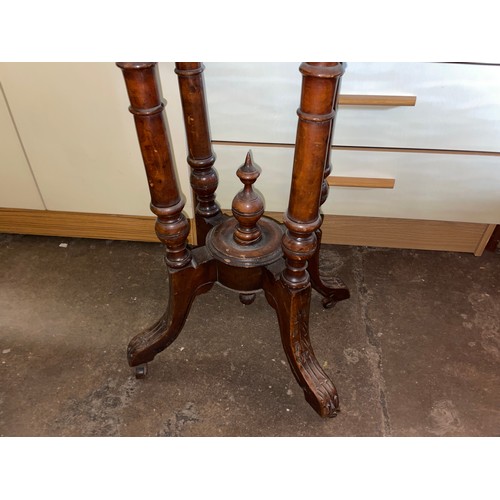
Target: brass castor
point(141, 371)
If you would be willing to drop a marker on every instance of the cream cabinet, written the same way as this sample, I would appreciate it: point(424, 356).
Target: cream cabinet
point(427, 186)
point(80, 139)
point(457, 105)
point(69, 147)
point(443, 152)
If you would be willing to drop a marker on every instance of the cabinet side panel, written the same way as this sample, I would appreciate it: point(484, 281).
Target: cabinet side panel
point(80, 137)
point(17, 185)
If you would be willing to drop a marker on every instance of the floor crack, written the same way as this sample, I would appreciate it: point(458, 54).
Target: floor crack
point(374, 348)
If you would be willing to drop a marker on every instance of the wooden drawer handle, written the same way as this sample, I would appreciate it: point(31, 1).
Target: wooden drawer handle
point(377, 100)
point(364, 182)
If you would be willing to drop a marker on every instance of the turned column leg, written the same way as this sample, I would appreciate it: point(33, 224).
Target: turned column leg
point(302, 220)
point(332, 288)
point(302, 217)
point(201, 157)
point(172, 227)
point(187, 278)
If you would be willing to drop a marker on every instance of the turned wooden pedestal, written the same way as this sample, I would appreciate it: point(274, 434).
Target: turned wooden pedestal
point(247, 252)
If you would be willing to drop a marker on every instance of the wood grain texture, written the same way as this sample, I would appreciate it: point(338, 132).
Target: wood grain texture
point(79, 225)
point(399, 233)
point(377, 100)
point(316, 122)
point(337, 229)
point(403, 233)
point(201, 158)
point(364, 182)
point(167, 201)
point(488, 231)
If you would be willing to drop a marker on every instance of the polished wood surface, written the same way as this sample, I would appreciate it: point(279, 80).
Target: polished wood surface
point(302, 218)
point(332, 288)
point(248, 206)
point(201, 157)
point(146, 105)
point(246, 239)
point(246, 252)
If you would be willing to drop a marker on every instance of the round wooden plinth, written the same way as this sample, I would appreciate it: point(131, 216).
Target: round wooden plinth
point(221, 244)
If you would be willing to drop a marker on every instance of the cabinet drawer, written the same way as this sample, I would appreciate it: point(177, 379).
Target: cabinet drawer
point(457, 105)
point(448, 187)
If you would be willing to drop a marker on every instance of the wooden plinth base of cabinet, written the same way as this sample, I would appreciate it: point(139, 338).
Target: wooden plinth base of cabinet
point(337, 229)
point(407, 233)
point(79, 225)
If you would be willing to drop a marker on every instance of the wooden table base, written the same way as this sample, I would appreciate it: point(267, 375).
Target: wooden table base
point(247, 252)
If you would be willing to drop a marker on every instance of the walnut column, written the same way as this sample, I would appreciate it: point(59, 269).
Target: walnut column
point(172, 227)
point(302, 219)
point(291, 295)
point(332, 288)
point(201, 157)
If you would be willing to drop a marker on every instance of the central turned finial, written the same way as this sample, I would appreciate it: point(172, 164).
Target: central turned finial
point(248, 206)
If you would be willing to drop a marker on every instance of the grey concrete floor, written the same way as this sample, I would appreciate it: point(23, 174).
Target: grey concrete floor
point(414, 352)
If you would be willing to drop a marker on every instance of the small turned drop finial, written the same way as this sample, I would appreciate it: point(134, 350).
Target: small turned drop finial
point(248, 206)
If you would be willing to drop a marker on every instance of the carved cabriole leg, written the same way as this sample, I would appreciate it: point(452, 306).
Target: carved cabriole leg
point(184, 285)
point(201, 157)
point(302, 220)
point(292, 308)
point(187, 277)
point(332, 288)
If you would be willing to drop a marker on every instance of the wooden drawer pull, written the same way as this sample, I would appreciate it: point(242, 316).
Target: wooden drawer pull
point(377, 100)
point(364, 182)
